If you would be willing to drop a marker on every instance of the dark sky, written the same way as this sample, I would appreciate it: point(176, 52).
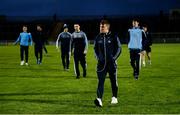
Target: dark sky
point(85, 7)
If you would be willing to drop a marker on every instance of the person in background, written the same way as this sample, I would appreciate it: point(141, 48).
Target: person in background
point(147, 43)
point(135, 47)
point(79, 49)
point(25, 40)
point(39, 40)
point(65, 39)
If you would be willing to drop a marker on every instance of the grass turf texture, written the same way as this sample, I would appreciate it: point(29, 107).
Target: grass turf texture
point(47, 88)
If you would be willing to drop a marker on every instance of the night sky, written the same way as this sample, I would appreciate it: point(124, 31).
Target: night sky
point(85, 7)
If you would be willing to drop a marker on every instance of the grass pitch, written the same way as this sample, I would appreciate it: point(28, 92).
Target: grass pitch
point(47, 89)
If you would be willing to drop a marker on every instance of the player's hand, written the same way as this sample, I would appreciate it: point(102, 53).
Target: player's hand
point(85, 51)
point(14, 43)
point(57, 48)
point(72, 52)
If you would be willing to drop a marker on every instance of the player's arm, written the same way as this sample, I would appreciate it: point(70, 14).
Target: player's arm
point(30, 39)
point(117, 46)
point(70, 44)
point(96, 52)
point(86, 44)
point(18, 39)
point(143, 38)
point(57, 41)
point(128, 36)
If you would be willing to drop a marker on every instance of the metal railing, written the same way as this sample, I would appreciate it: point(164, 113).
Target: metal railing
point(167, 37)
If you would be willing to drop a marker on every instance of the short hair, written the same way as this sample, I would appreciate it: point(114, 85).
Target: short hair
point(24, 26)
point(104, 22)
point(145, 25)
point(136, 20)
point(77, 23)
point(65, 26)
point(39, 25)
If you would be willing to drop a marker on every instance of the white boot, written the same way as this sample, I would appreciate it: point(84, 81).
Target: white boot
point(149, 62)
point(144, 64)
point(98, 102)
point(22, 63)
point(114, 100)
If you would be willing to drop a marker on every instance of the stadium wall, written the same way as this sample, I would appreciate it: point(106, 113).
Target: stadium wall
point(164, 29)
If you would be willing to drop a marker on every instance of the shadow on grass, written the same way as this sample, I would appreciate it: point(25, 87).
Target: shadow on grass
point(65, 76)
point(48, 93)
point(84, 103)
point(34, 68)
point(42, 76)
point(162, 77)
point(69, 102)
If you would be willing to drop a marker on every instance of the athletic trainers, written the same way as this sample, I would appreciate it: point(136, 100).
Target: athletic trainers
point(144, 64)
point(84, 73)
point(67, 69)
point(26, 64)
point(149, 62)
point(98, 102)
point(39, 62)
point(136, 77)
point(114, 100)
point(22, 63)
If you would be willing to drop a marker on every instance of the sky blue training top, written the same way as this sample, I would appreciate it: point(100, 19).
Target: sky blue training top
point(135, 41)
point(25, 39)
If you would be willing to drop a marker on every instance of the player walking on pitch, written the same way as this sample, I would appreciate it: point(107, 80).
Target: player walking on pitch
point(79, 49)
point(107, 49)
point(135, 47)
point(25, 40)
point(147, 42)
point(65, 39)
point(39, 40)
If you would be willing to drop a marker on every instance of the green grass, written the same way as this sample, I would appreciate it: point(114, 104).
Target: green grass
point(48, 89)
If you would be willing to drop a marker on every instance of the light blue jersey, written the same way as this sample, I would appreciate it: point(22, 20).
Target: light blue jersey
point(25, 39)
point(135, 41)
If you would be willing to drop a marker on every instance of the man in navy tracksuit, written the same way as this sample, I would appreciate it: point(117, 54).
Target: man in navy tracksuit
point(39, 40)
point(65, 40)
point(79, 48)
point(135, 47)
point(107, 49)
